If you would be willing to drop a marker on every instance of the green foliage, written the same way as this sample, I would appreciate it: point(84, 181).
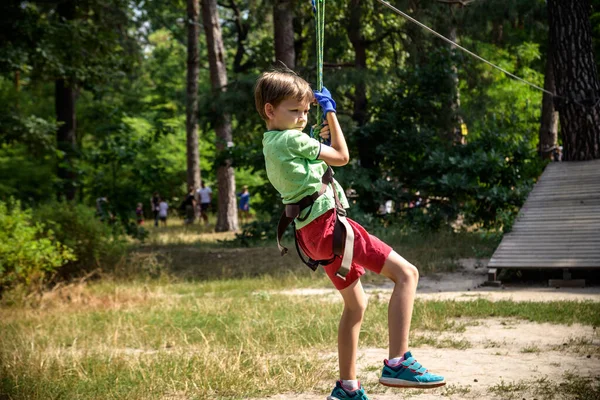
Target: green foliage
point(28, 250)
point(127, 62)
point(28, 179)
point(94, 243)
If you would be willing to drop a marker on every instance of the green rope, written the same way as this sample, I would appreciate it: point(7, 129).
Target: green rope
point(320, 40)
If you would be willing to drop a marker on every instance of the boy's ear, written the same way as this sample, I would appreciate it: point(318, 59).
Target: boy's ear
point(269, 110)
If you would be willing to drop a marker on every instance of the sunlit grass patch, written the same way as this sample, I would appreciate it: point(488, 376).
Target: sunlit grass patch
point(192, 252)
point(177, 233)
point(531, 349)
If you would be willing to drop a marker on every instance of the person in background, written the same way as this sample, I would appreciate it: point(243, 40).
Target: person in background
point(189, 204)
point(139, 214)
point(163, 210)
point(205, 195)
point(154, 203)
point(103, 210)
point(244, 204)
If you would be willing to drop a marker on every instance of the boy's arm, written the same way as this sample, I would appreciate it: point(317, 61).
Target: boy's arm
point(337, 154)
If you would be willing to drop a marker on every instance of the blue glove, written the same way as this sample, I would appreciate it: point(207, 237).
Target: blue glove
point(324, 99)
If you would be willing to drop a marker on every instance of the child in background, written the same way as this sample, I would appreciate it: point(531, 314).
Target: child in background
point(139, 214)
point(244, 204)
point(163, 209)
point(295, 164)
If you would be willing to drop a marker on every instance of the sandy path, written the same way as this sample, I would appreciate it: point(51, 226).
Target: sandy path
point(496, 356)
point(465, 285)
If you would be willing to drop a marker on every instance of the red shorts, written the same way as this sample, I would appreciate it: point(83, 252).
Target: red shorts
point(316, 239)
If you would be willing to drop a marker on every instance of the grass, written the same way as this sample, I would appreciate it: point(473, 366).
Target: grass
point(195, 252)
point(146, 340)
point(184, 303)
point(570, 387)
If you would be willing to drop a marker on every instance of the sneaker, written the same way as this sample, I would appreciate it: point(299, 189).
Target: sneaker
point(339, 393)
point(409, 374)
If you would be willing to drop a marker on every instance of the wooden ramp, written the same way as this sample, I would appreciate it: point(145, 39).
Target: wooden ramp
point(559, 224)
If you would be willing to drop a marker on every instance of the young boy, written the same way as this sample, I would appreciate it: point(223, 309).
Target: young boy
point(295, 164)
point(163, 210)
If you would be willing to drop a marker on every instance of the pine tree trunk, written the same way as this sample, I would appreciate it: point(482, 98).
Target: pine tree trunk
point(283, 18)
point(365, 145)
point(191, 118)
point(549, 119)
point(66, 138)
point(576, 78)
point(227, 218)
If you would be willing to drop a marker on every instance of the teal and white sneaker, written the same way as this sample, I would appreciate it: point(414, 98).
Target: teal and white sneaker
point(409, 374)
point(339, 393)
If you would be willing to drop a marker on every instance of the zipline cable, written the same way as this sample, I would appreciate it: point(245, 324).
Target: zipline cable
point(411, 19)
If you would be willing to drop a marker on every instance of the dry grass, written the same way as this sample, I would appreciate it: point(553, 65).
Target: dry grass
point(155, 339)
point(176, 233)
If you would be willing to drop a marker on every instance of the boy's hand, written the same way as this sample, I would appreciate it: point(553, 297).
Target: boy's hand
point(324, 99)
point(324, 133)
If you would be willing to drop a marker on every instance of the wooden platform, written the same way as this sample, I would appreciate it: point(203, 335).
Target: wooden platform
point(559, 224)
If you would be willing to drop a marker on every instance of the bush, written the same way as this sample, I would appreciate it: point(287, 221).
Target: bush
point(28, 251)
point(94, 243)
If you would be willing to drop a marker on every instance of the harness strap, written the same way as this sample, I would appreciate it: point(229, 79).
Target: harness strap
point(291, 212)
point(343, 235)
point(345, 246)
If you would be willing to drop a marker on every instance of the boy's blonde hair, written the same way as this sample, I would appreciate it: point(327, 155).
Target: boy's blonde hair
point(275, 86)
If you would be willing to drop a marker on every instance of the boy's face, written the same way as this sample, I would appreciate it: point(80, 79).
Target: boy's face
point(289, 114)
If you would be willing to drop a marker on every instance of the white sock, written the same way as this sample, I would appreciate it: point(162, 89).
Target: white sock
point(395, 361)
point(350, 384)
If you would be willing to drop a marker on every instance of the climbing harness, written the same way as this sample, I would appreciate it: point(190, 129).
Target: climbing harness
point(343, 235)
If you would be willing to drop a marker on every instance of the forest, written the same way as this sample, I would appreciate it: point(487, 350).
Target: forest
point(120, 99)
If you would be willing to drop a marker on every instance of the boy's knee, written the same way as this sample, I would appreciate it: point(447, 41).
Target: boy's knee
point(406, 273)
point(359, 307)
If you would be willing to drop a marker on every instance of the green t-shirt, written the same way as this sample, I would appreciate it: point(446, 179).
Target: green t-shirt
point(293, 169)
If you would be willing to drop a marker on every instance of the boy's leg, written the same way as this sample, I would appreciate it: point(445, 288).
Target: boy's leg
point(355, 303)
point(405, 277)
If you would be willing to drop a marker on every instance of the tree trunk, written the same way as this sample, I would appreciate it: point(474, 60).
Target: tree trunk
point(242, 26)
point(360, 62)
point(227, 218)
point(191, 118)
point(549, 119)
point(283, 18)
point(66, 139)
point(576, 78)
point(365, 145)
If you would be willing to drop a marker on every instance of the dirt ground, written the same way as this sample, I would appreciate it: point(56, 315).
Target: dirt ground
point(527, 358)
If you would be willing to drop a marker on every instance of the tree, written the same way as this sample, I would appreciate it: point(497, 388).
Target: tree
point(227, 213)
point(191, 120)
point(454, 124)
point(576, 78)
point(283, 18)
point(549, 119)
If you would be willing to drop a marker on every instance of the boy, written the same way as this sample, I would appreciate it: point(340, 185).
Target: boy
point(205, 198)
point(295, 164)
point(163, 209)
